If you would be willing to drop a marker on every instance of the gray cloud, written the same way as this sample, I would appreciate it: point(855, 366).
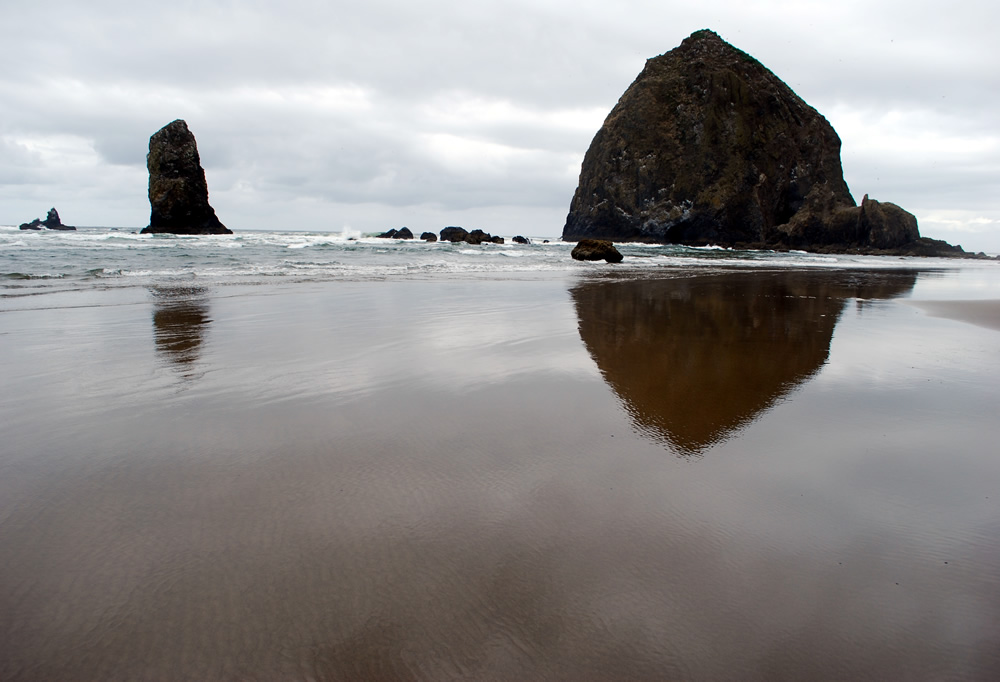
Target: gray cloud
point(386, 112)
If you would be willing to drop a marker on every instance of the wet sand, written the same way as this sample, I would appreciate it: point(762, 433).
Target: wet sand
point(711, 476)
point(982, 313)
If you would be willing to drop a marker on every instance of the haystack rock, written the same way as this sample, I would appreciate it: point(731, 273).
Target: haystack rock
point(178, 192)
point(707, 146)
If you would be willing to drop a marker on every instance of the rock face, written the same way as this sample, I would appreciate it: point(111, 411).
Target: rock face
point(454, 234)
point(708, 146)
point(477, 237)
point(51, 222)
point(178, 193)
point(596, 249)
point(429, 236)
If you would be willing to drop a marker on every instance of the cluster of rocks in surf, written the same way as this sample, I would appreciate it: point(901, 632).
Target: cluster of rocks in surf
point(453, 234)
point(460, 234)
point(708, 146)
point(51, 222)
point(402, 233)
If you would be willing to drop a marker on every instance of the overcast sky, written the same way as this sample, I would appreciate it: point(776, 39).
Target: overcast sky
point(312, 114)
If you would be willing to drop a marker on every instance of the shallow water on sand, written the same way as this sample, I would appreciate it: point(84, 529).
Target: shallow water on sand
point(698, 475)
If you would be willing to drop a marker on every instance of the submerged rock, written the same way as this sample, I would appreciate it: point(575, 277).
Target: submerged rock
point(707, 146)
point(596, 249)
point(51, 222)
point(178, 192)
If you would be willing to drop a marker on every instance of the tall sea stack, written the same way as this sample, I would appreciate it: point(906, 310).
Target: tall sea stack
point(708, 146)
point(178, 193)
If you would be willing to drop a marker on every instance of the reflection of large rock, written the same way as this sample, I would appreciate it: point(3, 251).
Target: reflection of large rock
point(178, 192)
point(695, 358)
point(709, 146)
point(180, 318)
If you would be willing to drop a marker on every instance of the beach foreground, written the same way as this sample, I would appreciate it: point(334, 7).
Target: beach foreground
point(702, 474)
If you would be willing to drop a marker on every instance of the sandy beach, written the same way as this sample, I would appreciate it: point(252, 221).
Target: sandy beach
point(706, 474)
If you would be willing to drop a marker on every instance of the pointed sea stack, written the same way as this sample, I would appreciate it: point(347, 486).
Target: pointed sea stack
point(707, 146)
point(178, 193)
point(51, 222)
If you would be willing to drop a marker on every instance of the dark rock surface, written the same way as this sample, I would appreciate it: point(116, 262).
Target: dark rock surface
point(51, 222)
point(477, 237)
point(460, 234)
point(518, 239)
point(596, 249)
point(707, 146)
point(429, 237)
point(178, 192)
point(402, 233)
point(454, 234)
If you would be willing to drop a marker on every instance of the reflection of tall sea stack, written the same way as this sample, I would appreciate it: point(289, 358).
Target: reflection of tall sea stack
point(178, 193)
point(708, 146)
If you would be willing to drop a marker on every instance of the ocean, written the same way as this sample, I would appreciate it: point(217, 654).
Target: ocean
point(312, 456)
point(48, 261)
